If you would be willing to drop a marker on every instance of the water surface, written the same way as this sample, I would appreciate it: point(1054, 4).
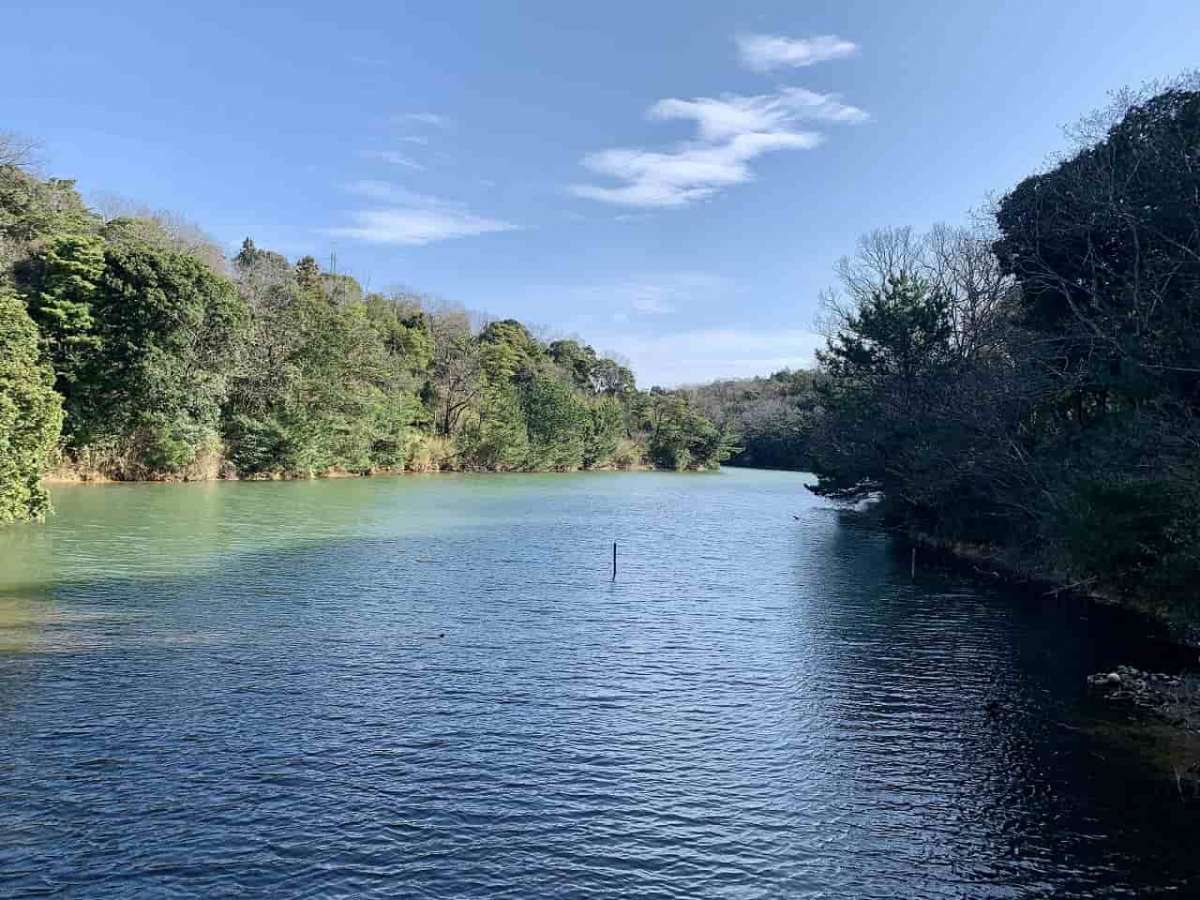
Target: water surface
point(430, 687)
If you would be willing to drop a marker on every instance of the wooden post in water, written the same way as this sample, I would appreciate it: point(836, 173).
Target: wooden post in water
point(614, 578)
point(914, 564)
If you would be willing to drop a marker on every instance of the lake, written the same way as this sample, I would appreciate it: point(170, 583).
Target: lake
point(429, 686)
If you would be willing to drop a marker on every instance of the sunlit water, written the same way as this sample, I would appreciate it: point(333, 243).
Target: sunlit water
point(429, 687)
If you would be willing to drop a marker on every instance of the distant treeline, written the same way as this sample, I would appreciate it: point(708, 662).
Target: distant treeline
point(131, 348)
point(772, 416)
point(1031, 385)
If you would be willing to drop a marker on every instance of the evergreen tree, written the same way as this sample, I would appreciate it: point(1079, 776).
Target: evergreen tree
point(30, 414)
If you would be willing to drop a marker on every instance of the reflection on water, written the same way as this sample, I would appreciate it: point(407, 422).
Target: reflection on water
point(429, 687)
point(42, 626)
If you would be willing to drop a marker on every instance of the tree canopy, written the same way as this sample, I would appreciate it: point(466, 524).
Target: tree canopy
point(135, 350)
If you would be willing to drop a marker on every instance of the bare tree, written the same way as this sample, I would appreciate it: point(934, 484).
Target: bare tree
point(183, 234)
point(958, 262)
point(16, 151)
point(455, 367)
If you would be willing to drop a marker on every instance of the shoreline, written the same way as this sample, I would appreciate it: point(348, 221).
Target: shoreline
point(1157, 710)
point(59, 477)
point(991, 566)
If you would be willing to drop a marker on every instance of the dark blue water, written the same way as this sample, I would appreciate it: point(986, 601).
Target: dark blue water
point(429, 687)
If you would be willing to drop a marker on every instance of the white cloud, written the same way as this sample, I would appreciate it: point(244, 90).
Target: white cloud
point(412, 219)
point(397, 159)
point(764, 52)
point(733, 115)
point(417, 226)
point(732, 131)
point(386, 192)
point(437, 120)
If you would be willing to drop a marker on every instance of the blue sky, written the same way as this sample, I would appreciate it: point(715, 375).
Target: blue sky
point(670, 181)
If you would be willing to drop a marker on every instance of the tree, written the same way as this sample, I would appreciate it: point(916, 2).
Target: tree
point(604, 429)
point(497, 439)
point(173, 362)
point(61, 277)
point(168, 330)
point(557, 420)
point(455, 372)
point(680, 438)
point(16, 152)
point(577, 361)
point(1105, 247)
point(30, 414)
point(508, 350)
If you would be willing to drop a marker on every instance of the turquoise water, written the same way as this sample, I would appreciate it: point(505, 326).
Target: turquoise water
point(429, 686)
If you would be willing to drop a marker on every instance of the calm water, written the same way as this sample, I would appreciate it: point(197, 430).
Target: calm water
point(428, 687)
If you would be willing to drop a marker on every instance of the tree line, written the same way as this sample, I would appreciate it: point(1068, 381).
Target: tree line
point(131, 348)
point(772, 416)
point(1029, 385)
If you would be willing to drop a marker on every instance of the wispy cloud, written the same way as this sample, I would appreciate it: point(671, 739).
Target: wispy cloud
point(732, 131)
point(641, 294)
point(386, 192)
point(397, 159)
point(437, 120)
point(764, 52)
point(412, 219)
point(415, 227)
point(732, 115)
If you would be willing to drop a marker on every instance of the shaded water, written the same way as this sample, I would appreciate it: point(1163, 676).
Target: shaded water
point(429, 687)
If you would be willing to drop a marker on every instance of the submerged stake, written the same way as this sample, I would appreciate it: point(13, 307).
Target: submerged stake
point(614, 578)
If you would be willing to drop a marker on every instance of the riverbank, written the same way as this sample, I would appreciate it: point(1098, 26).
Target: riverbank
point(1163, 716)
point(1160, 709)
point(221, 470)
point(999, 566)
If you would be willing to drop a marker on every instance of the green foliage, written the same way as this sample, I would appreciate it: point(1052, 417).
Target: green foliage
point(507, 349)
point(321, 387)
point(1042, 396)
point(405, 332)
point(168, 330)
point(603, 432)
point(167, 368)
point(883, 368)
point(773, 418)
point(32, 209)
point(558, 421)
point(61, 277)
point(681, 438)
point(30, 414)
point(497, 439)
point(577, 361)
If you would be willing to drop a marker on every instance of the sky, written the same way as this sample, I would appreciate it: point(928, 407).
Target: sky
point(670, 181)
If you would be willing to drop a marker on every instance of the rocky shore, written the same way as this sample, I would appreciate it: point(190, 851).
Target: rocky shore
point(1165, 715)
point(1173, 699)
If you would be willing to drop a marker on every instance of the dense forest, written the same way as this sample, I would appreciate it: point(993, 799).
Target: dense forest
point(131, 348)
point(1028, 387)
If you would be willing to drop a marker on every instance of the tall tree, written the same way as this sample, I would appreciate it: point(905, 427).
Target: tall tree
point(30, 414)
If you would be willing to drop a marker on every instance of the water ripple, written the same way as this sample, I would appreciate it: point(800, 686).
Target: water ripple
point(429, 688)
